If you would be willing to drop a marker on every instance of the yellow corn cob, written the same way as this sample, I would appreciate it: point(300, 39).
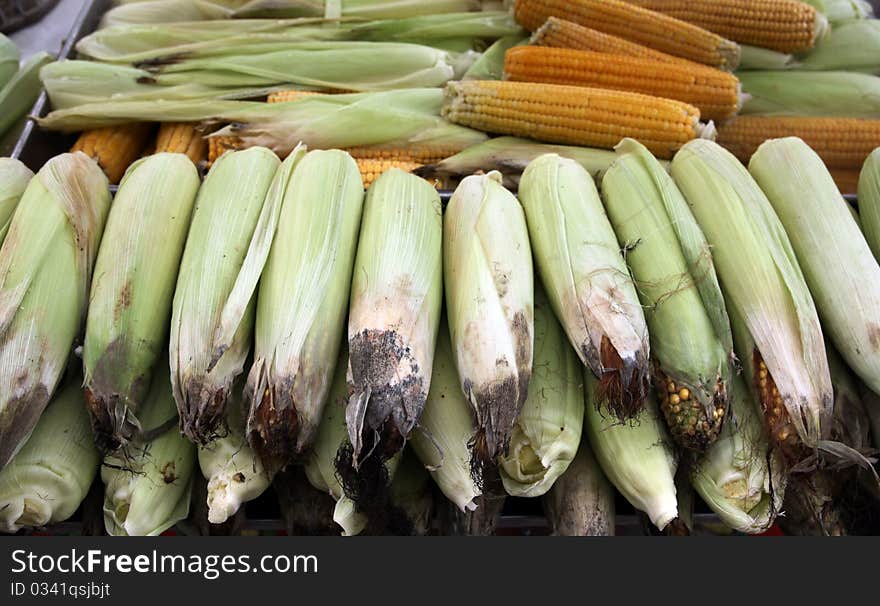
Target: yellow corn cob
point(372, 168)
point(572, 115)
point(847, 180)
point(426, 154)
point(217, 146)
point(714, 92)
point(283, 96)
point(181, 138)
point(114, 147)
point(787, 26)
point(559, 33)
point(658, 31)
point(842, 143)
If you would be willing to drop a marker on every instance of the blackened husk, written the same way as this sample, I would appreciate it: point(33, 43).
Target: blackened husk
point(623, 384)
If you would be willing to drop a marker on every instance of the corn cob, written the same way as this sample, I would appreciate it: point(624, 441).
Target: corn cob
point(547, 432)
point(800, 93)
point(786, 26)
point(842, 143)
point(148, 491)
point(51, 475)
point(131, 296)
point(302, 302)
point(847, 180)
point(714, 92)
point(619, 18)
point(581, 502)
point(394, 314)
point(869, 201)
point(636, 456)
point(844, 279)
point(559, 33)
point(114, 148)
point(740, 477)
point(231, 212)
point(283, 96)
point(589, 287)
point(181, 138)
point(330, 439)
point(45, 270)
point(373, 168)
point(691, 341)
point(776, 328)
point(572, 115)
point(14, 179)
point(442, 441)
point(234, 473)
point(487, 265)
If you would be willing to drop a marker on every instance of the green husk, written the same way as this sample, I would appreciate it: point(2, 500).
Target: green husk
point(547, 432)
point(21, 91)
point(800, 93)
point(691, 341)
point(131, 296)
point(487, 264)
point(586, 278)
point(45, 270)
point(490, 65)
point(394, 313)
point(740, 477)
point(758, 58)
point(148, 491)
point(842, 11)
point(9, 58)
point(511, 155)
point(401, 118)
point(51, 475)
point(14, 179)
point(373, 9)
point(636, 455)
point(853, 46)
point(581, 501)
point(766, 291)
point(302, 303)
point(234, 473)
point(869, 201)
point(442, 439)
point(840, 270)
point(231, 216)
point(162, 11)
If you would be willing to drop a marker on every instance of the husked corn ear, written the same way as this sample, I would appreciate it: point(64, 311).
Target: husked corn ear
point(131, 296)
point(559, 33)
point(302, 302)
point(217, 146)
point(620, 18)
point(417, 154)
point(844, 279)
point(283, 96)
point(14, 179)
point(487, 265)
point(50, 476)
point(670, 260)
point(587, 282)
point(847, 181)
point(394, 314)
point(740, 477)
point(714, 92)
point(45, 270)
point(114, 148)
point(547, 432)
point(581, 502)
point(234, 473)
point(215, 287)
point(786, 26)
point(181, 138)
point(636, 456)
point(373, 168)
point(148, 491)
point(446, 428)
point(869, 201)
point(572, 115)
point(782, 350)
point(842, 143)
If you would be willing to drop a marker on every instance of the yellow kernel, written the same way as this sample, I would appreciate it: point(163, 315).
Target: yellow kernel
point(684, 393)
point(674, 399)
